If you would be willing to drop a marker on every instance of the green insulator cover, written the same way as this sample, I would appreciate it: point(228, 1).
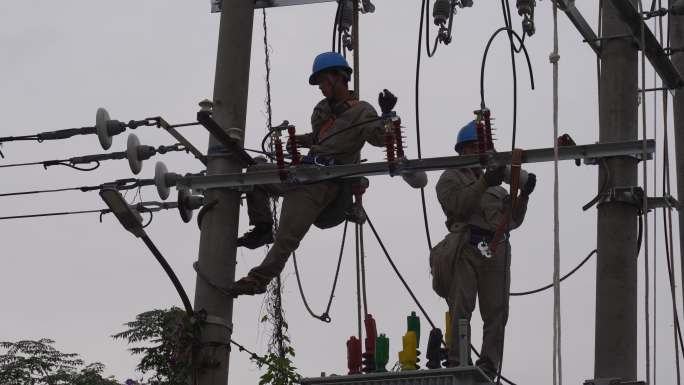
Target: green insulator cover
point(381, 353)
point(413, 324)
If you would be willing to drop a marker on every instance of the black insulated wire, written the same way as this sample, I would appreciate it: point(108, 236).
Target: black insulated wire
point(543, 288)
point(121, 184)
point(417, 108)
point(484, 62)
point(101, 211)
point(170, 273)
point(325, 316)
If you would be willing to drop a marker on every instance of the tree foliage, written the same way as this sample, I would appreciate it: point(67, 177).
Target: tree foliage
point(39, 363)
point(166, 340)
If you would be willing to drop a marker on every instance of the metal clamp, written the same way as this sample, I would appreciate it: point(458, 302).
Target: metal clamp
point(593, 161)
point(634, 195)
point(218, 321)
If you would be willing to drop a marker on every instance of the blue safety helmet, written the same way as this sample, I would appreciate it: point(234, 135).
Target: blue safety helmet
point(467, 134)
point(329, 61)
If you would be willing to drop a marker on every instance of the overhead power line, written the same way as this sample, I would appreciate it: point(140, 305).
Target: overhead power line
point(135, 154)
point(120, 184)
point(141, 207)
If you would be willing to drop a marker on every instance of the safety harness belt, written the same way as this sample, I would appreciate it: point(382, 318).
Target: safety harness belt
point(516, 161)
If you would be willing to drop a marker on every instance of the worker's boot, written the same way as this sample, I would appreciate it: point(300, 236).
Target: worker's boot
point(247, 286)
point(260, 235)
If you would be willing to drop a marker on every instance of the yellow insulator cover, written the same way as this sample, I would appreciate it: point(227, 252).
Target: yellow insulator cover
point(447, 329)
point(408, 356)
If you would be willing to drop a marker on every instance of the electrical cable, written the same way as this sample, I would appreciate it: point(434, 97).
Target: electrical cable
point(604, 185)
point(669, 246)
point(408, 288)
point(121, 184)
point(511, 34)
point(268, 134)
point(348, 128)
point(101, 211)
point(170, 273)
point(359, 320)
point(362, 252)
point(484, 62)
point(546, 287)
point(40, 191)
point(325, 316)
point(657, 26)
point(417, 108)
point(188, 306)
point(263, 361)
point(337, 20)
point(95, 159)
point(396, 271)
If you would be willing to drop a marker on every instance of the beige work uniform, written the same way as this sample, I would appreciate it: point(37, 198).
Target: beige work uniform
point(460, 273)
point(302, 204)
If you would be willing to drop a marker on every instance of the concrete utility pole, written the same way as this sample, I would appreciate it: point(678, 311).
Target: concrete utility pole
point(616, 266)
point(220, 224)
point(677, 41)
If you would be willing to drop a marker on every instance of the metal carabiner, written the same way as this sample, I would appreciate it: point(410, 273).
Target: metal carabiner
point(484, 249)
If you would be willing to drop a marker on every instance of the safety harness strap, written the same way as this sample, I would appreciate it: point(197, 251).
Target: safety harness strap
point(516, 161)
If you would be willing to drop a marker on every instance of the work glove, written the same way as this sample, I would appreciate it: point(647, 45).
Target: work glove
point(387, 101)
point(529, 185)
point(494, 175)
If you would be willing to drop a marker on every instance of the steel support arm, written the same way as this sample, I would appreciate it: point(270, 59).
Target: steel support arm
point(312, 173)
point(576, 18)
point(218, 4)
point(672, 79)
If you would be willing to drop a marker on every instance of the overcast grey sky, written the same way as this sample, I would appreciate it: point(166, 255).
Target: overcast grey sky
point(77, 281)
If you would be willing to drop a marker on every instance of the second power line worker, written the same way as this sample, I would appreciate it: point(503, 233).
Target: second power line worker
point(475, 204)
point(341, 125)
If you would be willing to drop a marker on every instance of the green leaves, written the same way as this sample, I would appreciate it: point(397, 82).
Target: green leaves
point(39, 363)
point(166, 340)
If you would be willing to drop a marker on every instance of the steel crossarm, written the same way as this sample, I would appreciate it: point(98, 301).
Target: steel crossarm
point(283, 3)
point(568, 6)
point(653, 50)
point(306, 173)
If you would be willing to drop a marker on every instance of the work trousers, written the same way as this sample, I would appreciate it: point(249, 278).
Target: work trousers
point(469, 275)
point(301, 206)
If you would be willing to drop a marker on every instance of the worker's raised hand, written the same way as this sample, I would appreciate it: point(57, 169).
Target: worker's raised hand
point(387, 101)
point(529, 185)
point(494, 175)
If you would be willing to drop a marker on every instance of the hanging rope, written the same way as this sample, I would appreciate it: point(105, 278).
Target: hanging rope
point(557, 356)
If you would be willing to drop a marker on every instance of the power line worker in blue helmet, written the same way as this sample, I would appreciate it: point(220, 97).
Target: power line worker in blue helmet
point(341, 125)
point(474, 203)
